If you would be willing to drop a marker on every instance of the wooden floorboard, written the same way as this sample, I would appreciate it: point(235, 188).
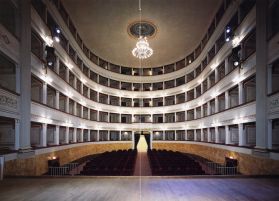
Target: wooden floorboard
point(139, 189)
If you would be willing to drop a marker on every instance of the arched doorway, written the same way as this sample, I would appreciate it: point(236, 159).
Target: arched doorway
point(142, 140)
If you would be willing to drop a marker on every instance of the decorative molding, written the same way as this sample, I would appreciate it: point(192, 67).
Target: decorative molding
point(8, 101)
point(274, 104)
point(4, 38)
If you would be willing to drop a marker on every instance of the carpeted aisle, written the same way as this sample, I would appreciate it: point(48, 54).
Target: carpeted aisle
point(142, 167)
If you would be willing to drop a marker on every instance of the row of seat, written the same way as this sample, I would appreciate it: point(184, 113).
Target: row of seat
point(115, 163)
point(164, 163)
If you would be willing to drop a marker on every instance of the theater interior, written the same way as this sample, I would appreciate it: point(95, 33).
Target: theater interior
point(139, 100)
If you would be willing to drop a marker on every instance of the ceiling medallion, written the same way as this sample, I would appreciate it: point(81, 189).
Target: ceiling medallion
point(144, 28)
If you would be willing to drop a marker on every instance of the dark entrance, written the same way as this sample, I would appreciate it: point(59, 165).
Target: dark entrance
point(146, 136)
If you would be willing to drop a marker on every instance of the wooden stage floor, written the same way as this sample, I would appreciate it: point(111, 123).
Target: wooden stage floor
point(139, 189)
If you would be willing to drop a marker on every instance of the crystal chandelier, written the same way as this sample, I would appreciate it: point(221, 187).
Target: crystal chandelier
point(142, 49)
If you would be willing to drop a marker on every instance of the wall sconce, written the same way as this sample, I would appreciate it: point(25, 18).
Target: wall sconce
point(236, 56)
point(231, 161)
point(50, 56)
point(228, 34)
point(53, 161)
point(56, 34)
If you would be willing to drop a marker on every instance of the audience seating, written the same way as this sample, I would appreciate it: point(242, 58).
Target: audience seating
point(164, 163)
point(115, 163)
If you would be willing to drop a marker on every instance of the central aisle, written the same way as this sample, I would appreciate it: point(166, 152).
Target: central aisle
point(142, 167)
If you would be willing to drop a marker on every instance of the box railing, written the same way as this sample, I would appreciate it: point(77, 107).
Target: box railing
point(64, 170)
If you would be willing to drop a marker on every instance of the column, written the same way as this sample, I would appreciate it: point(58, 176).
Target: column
point(44, 93)
point(18, 79)
point(240, 93)
point(81, 112)
point(57, 66)
point(75, 108)
point(201, 88)
point(133, 140)
point(195, 113)
point(67, 75)
point(164, 135)
point(56, 135)
point(208, 135)
point(57, 100)
point(17, 134)
point(81, 88)
point(67, 135)
point(261, 69)
point(241, 135)
point(120, 135)
point(25, 75)
point(195, 135)
point(228, 136)
point(216, 104)
point(217, 136)
point(269, 79)
point(227, 100)
point(202, 135)
point(208, 108)
point(269, 133)
point(75, 82)
point(88, 93)
point(195, 92)
point(98, 136)
point(202, 111)
point(75, 135)
point(151, 139)
point(98, 97)
point(226, 66)
point(81, 134)
point(108, 133)
point(216, 74)
point(98, 116)
point(175, 137)
point(208, 82)
point(186, 134)
point(67, 104)
point(88, 136)
point(43, 138)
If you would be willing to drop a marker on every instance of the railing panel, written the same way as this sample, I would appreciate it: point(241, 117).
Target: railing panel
point(64, 170)
point(218, 169)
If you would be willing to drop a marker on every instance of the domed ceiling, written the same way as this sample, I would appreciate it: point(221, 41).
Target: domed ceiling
point(104, 26)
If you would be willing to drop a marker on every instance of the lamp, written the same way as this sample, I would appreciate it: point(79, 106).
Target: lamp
point(56, 34)
point(50, 56)
point(53, 162)
point(236, 56)
point(228, 33)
